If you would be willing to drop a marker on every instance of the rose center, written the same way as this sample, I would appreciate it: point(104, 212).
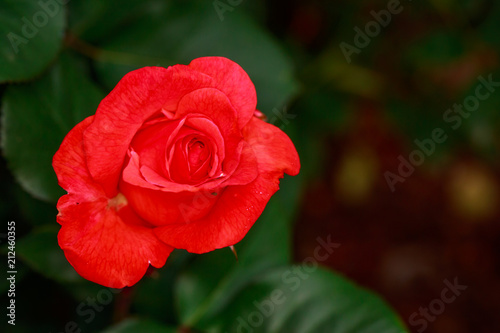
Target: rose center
point(190, 159)
point(197, 153)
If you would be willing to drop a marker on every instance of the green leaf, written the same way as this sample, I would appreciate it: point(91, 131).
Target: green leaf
point(135, 325)
point(32, 33)
point(236, 38)
point(154, 294)
point(37, 116)
point(40, 251)
point(204, 284)
point(180, 31)
point(34, 211)
point(305, 298)
point(90, 19)
point(211, 279)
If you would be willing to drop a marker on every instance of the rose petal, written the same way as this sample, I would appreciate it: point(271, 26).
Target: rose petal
point(233, 81)
point(241, 174)
point(109, 247)
point(69, 164)
point(103, 239)
point(207, 126)
point(227, 222)
point(239, 206)
point(143, 176)
point(150, 143)
point(138, 96)
point(273, 148)
point(162, 207)
point(215, 105)
point(247, 170)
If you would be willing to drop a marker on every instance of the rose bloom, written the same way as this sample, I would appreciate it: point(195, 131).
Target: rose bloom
point(173, 158)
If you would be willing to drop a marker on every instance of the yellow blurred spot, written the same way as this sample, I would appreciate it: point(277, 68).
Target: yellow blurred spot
point(356, 176)
point(473, 192)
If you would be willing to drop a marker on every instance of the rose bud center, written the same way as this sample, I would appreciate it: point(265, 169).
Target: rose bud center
point(191, 159)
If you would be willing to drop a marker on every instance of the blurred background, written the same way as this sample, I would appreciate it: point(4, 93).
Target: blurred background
point(394, 107)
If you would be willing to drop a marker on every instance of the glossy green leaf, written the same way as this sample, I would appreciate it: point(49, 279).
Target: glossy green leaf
point(211, 279)
point(179, 31)
point(40, 251)
point(91, 21)
point(32, 33)
point(134, 325)
point(34, 211)
point(154, 294)
point(304, 298)
point(36, 118)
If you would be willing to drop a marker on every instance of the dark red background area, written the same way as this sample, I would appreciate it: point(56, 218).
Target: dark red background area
point(404, 244)
point(442, 222)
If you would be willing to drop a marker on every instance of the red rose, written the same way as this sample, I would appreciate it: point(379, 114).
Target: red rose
point(173, 158)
